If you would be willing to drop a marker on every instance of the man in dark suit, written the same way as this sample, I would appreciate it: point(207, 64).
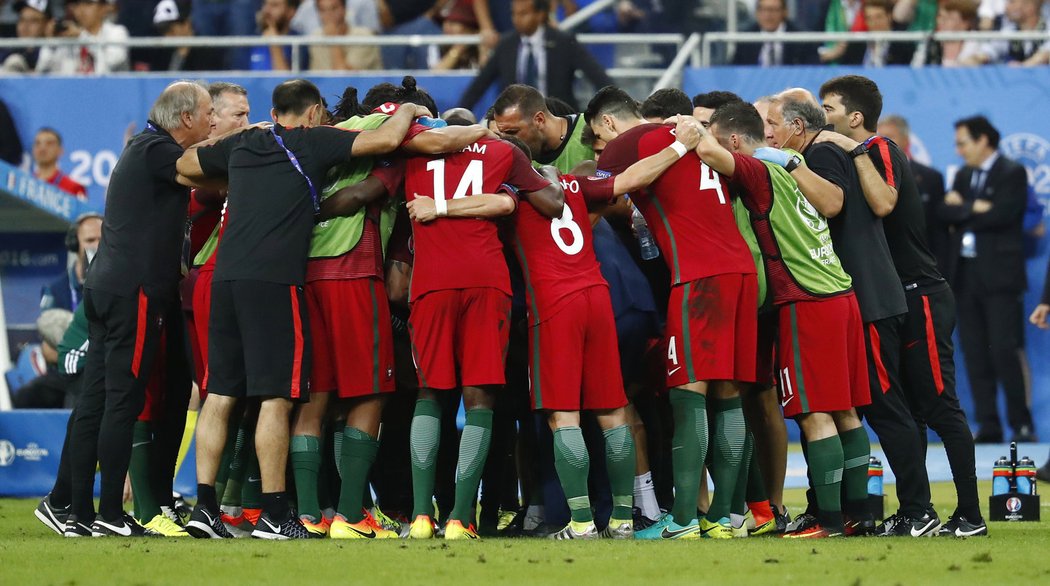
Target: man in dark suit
point(771, 17)
point(878, 16)
point(986, 207)
point(537, 55)
point(930, 182)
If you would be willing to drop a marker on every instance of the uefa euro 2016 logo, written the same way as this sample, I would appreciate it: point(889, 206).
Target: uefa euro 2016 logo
point(1013, 504)
point(1032, 151)
point(7, 453)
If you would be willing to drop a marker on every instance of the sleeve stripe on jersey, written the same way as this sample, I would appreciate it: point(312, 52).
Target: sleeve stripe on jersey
point(887, 160)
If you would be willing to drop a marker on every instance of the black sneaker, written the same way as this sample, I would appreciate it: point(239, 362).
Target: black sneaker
point(640, 520)
point(802, 522)
point(51, 516)
point(858, 527)
point(900, 525)
point(783, 519)
point(125, 526)
point(290, 528)
point(75, 528)
point(205, 524)
point(959, 526)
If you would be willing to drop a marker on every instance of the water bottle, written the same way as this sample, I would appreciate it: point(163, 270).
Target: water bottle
point(1002, 474)
point(874, 476)
point(644, 236)
point(1026, 476)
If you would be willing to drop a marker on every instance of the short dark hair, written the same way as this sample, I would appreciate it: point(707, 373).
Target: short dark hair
point(979, 126)
point(295, 96)
point(740, 118)
point(52, 132)
point(858, 94)
point(715, 100)
point(613, 101)
point(666, 103)
point(518, 143)
point(587, 136)
point(408, 91)
point(527, 99)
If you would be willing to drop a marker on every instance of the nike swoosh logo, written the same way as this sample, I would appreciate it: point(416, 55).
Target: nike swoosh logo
point(666, 534)
point(670, 372)
point(124, 530)
point(275, 529)
point(135, 445)
point(921, 531)
point(910, 345)
point(371, 533)
point(250, 479)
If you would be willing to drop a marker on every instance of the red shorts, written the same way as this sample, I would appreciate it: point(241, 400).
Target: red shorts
point(765, 363)
point(353, 347)
point(712, 328)
point(823, 367)
point(574, 359)
point(459, 337)
point(201, 318)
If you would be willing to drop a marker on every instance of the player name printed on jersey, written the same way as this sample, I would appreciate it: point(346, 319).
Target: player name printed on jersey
point(465, 252)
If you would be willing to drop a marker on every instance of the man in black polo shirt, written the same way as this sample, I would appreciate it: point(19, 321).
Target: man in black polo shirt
point(258, 336)
point(130, 294)
point(837, 192)
point(853, 104)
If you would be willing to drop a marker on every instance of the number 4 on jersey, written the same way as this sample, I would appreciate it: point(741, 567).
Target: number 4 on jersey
point(710, 180)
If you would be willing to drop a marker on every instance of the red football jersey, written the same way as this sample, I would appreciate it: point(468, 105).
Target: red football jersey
point(66, 184)
point(557, 256)
point(687, 208)
point(457, 253)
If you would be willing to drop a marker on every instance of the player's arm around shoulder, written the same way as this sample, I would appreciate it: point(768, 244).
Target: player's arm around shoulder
point(641, 174)
point(389, 136)
point(425, 209)
point(447, 139)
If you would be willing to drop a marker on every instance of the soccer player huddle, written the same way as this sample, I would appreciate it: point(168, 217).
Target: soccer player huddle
point(793, 281)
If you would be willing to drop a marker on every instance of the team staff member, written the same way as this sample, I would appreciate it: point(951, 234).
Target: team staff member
point(131, 292)
point(712, 271)
point(260, 271)
point(853, 104)
point(831, 183)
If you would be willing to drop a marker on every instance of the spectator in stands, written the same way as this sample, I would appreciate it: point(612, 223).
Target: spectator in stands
point(878, 17)
point(275, 19)
point(918, 15)
point(537, 55)
point(333, 23)
point(216, 18)
point(930, 183)
point(771, 16)
point(47, 391)
point(842, 16)
point(47, 150)
point(407, 17)
point(82, 241)
point(10, 143)
point(90, 24)
point(460, 19)
point(952, 16)
point(1021, 15)
point(172, 19)
point(359, 14)
point(34, 22)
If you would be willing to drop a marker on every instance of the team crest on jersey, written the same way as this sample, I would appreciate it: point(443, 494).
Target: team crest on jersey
point(809, 214)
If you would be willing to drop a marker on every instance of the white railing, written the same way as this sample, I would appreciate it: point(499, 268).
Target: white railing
point(580, 16)
point(821, 37)
point(689, 50)
point(298, 43)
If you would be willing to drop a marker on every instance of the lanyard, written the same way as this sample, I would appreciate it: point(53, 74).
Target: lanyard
point(299, 168)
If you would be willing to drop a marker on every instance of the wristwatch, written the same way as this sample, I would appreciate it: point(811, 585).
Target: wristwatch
point(793, 163)
point(862, 149)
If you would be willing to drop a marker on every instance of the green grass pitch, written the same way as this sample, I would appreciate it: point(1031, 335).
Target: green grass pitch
point(1015, 553)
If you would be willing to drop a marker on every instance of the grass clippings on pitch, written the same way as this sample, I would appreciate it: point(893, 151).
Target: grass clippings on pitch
point(1015, 553)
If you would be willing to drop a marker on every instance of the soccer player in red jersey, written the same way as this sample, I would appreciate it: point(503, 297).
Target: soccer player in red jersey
point(571, 324)
point(460, 320)
point(712, 313)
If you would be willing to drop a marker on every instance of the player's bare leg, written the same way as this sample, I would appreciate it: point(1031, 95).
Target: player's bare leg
point(644, 491)
point(271, 446)
point(211, 436)
point(762, 411)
